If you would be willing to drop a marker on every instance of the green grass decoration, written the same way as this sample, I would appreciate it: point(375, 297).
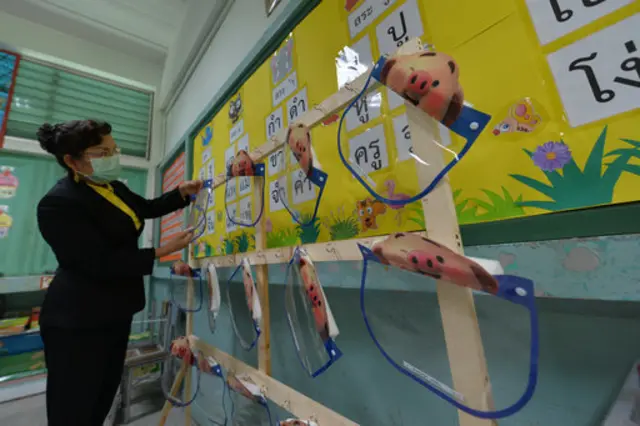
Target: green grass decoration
point(417, 215)
point(309, 233)
point(499, 206)
point(465, 215)
point(243, 242)
point(576, 188)
point(283, 238)
point(229, 246)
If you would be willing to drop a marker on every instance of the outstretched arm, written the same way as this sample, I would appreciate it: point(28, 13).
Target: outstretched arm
point(157, 207)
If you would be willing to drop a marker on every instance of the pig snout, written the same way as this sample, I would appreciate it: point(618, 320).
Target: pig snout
point(420, 82)
point(425, 262)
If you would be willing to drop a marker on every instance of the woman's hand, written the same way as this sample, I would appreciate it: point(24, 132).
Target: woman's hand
point(177, 243)
point(190, 187)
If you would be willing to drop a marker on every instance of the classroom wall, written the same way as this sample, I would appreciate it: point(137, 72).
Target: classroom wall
point(587, 348)
point(240, 32)
point(22, 34)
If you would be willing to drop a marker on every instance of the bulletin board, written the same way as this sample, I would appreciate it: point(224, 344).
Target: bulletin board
point(9, 64)
point(172, 223)
point(562, 135)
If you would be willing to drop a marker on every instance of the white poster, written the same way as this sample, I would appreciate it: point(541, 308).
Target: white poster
point(297, 106)
point(301, 188)
point(353, 61)
point(245, 211)
point(599, 76)
point(276, 162)
point(368, 150)
point(403, 137)
point(211, 222)
point(274, 122)
point(399, 27)
point(285, 89)
point(206, 154)
point(231, 212)
point(393, 99)
point(554, 18)
point(236, 131)
point(364, 110)
point(229, 156)
point(230, 189)
point(363, 16)
point(275, 203)
point(243, 144)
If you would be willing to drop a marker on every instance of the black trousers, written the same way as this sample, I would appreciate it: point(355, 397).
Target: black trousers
point(84, 369)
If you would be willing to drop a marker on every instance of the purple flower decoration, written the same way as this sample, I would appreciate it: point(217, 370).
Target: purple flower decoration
point(551, 156)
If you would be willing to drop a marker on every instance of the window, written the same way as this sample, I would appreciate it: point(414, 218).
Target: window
point(46, 93)
point(271, 5)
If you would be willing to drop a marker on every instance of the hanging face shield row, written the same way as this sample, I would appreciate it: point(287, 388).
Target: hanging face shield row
point(418, 264)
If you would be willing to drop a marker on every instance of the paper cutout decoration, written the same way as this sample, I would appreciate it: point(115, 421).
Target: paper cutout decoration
point(8, 182)
point(522, 117)
point(311, 322)
point(301, 182)
point(6, 221)
point(182, 269)
point(197, 219)
point(429, 259)
point(246, 311)
point(213, 301)
point(243, 175)
point(297, 422)
point(428, 81)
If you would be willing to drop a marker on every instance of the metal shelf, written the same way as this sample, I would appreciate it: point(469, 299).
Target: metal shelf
point(22, 385)
point(24, 284)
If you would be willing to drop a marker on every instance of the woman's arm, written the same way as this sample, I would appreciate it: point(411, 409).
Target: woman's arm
point(158, 207)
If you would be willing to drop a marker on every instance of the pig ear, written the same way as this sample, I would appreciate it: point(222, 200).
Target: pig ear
point(520, 109)
point(486, 280)
point(386, 69)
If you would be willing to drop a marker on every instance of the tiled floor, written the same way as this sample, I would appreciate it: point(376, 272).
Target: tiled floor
point(31, 412)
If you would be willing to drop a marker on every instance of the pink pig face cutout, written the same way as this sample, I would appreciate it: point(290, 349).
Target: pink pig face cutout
point(418, 254)
point(299, 140)
point(429, 80)
point(248, 288)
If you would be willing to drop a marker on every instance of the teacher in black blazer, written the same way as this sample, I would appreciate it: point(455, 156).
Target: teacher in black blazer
point(92, 223)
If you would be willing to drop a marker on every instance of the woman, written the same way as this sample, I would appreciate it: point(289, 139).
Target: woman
point(92, 223)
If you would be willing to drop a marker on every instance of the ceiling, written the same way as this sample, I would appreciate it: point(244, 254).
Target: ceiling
point(142, 28)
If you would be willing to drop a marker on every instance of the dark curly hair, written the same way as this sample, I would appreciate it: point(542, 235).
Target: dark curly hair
point(71, 138)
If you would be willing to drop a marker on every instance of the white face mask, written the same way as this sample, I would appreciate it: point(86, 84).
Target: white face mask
point(105, 169)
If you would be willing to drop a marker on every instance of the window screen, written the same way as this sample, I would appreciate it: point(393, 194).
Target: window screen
point(44, 93)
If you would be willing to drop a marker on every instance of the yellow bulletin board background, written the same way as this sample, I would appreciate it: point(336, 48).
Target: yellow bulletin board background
point(591, 152)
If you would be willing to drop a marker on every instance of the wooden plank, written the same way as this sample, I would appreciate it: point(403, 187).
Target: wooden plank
point(166, 408)
point(262, 277)
point(459, 321)
point(189, 332)
point(296, 403)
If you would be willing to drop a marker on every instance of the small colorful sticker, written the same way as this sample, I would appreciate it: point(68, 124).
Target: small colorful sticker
point(45, 281)
point(8, 182)
point(523, 116)
point(5, 221)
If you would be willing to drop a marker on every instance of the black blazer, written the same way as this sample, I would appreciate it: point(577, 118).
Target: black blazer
point(99, 280)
